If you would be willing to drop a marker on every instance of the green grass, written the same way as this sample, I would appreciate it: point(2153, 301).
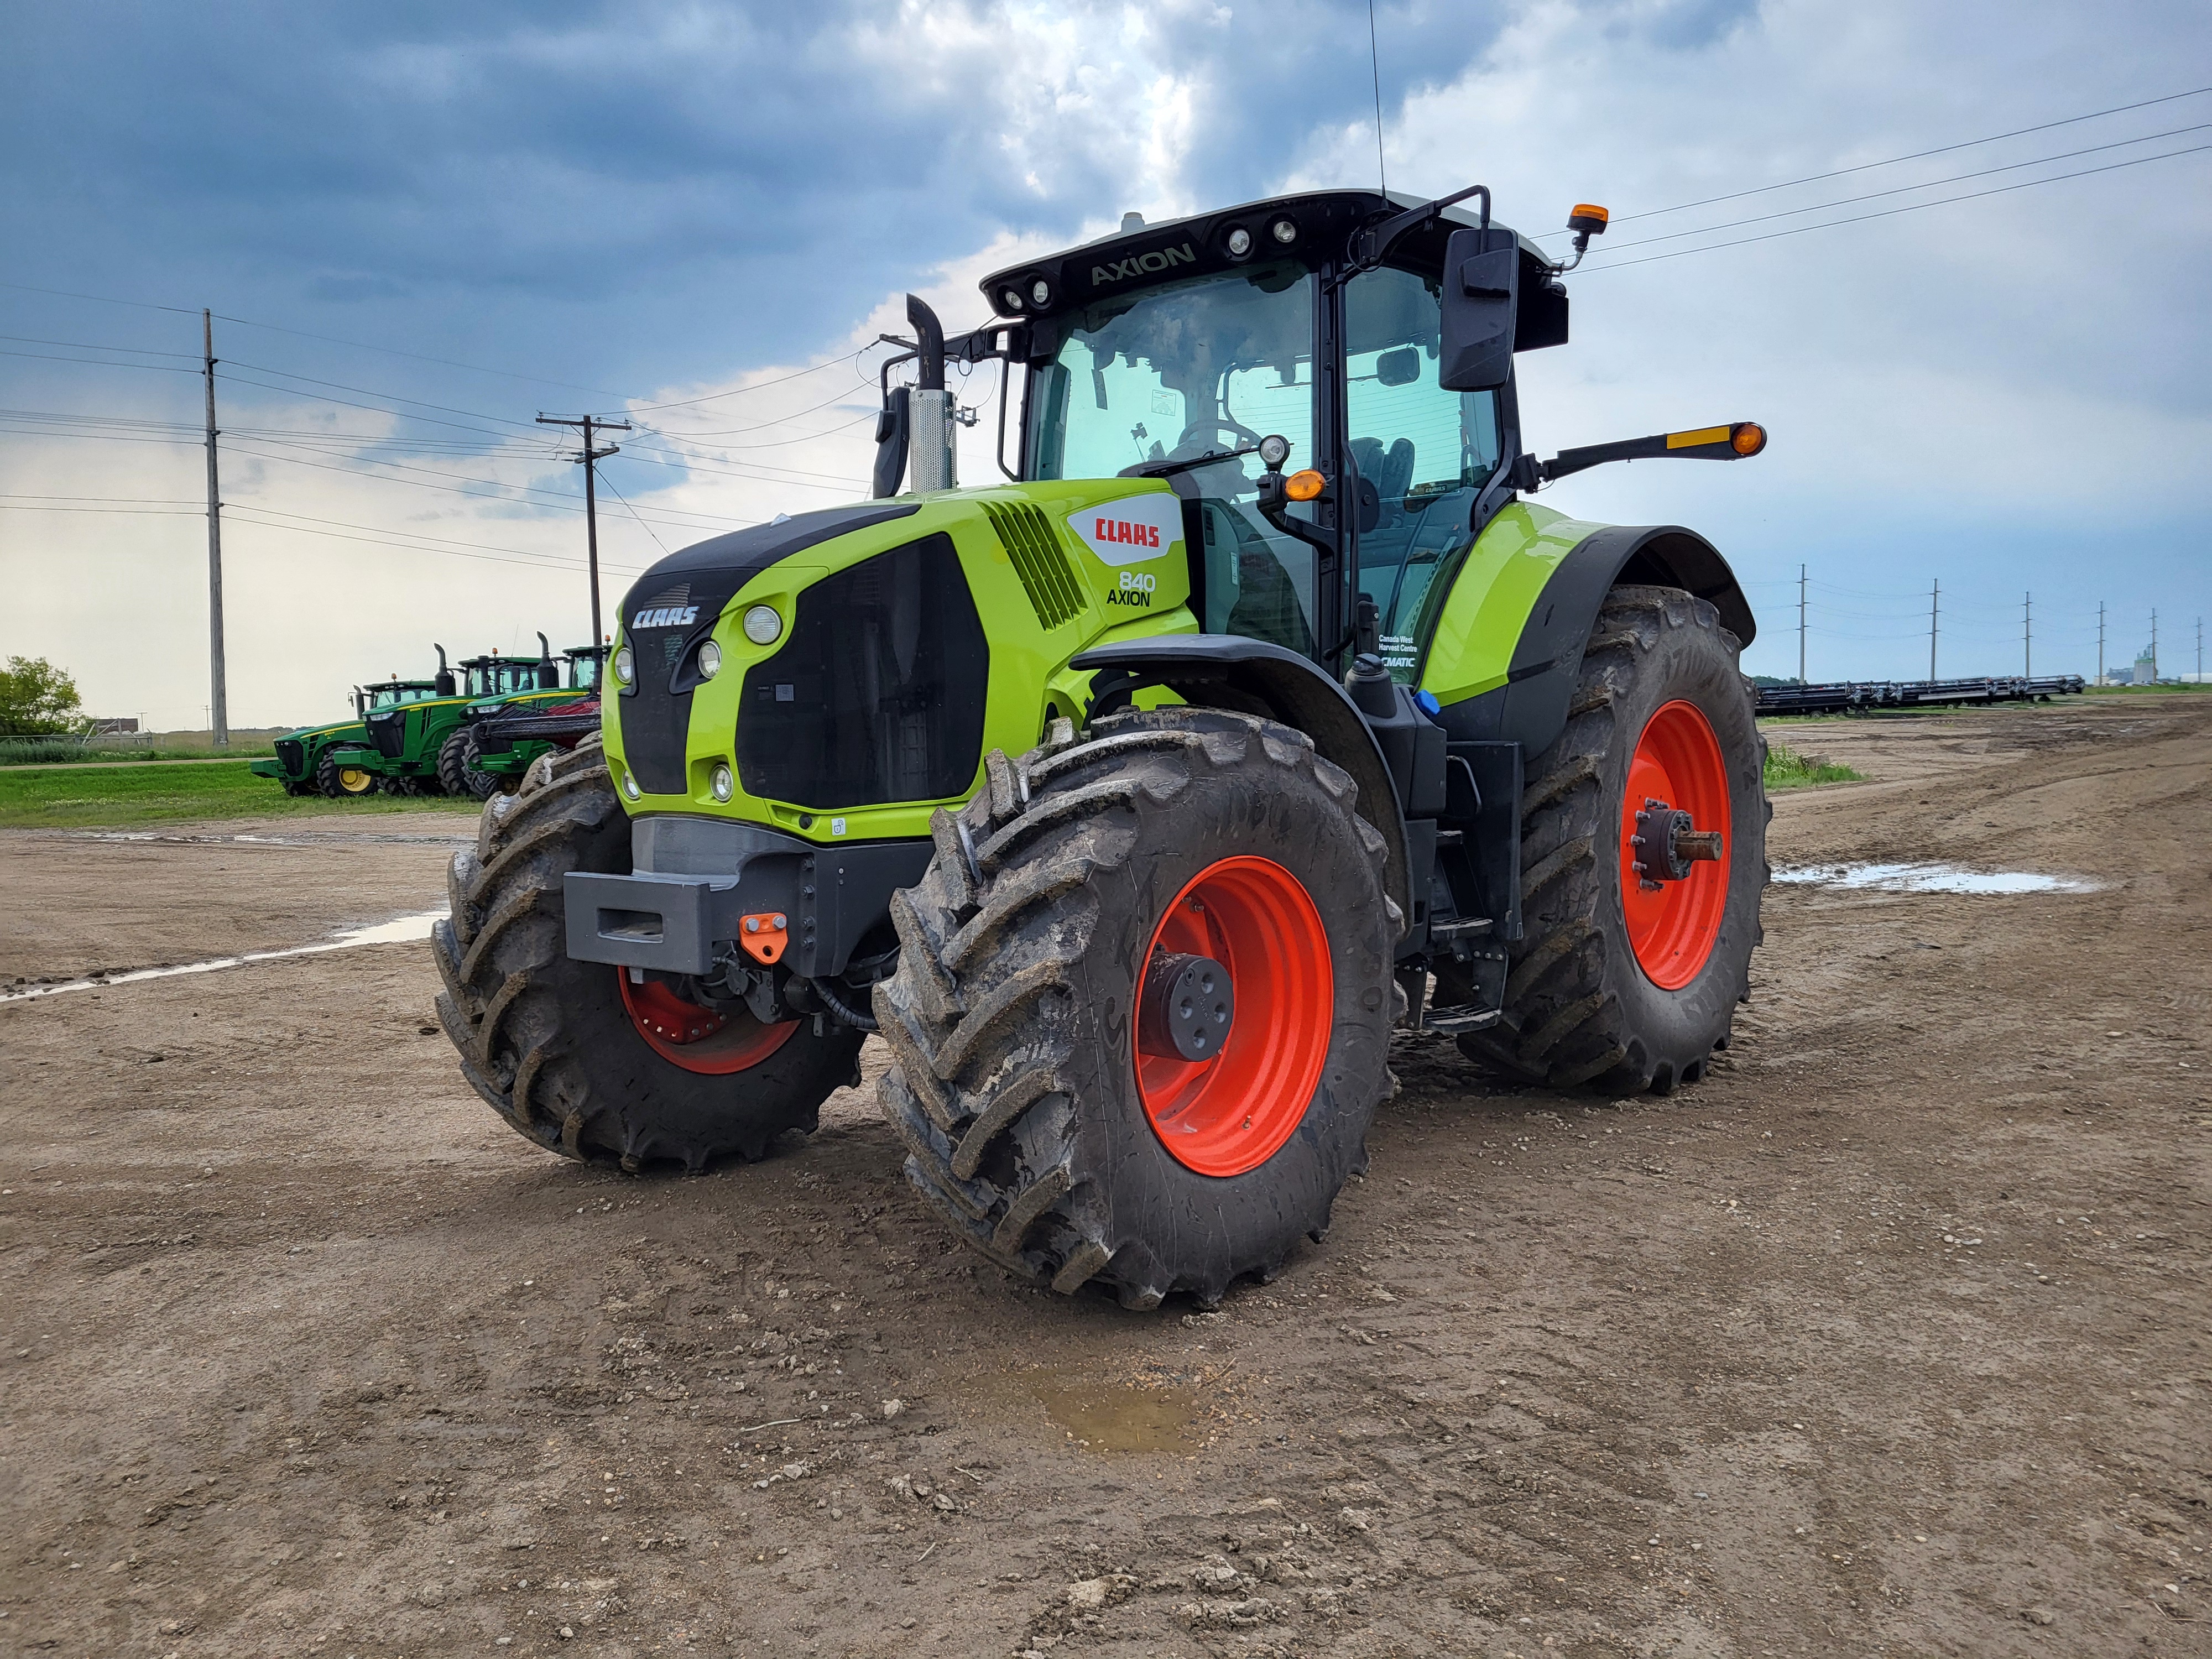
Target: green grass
point(36, 751)
point(1788, 769)
point(75, 798)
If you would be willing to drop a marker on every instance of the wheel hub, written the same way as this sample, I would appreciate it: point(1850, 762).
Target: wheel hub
point(1189, 1007)
point(1667, 845)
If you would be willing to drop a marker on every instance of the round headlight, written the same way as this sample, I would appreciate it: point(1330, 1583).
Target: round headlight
point(1010, 299)
point(1041, 291)
point(724, 785)
point(629, 785)
point(1284, 232)
point(625, 665)
point(1274, 450)
point(710, 660)
point(762, 625)
point(1240, 242)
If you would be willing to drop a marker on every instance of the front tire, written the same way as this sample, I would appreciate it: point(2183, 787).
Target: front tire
point(571, 1055)
point(1618, 984)
point(340, 781)
point(458, 770)
point(1041, 1119)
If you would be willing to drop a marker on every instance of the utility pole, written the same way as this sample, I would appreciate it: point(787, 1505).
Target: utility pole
point(218, 691)
point(2027, 637)
point(2153, 645)
point(1934, 592)
point(1801, 624)
point(2100, 641)
point(590, 459)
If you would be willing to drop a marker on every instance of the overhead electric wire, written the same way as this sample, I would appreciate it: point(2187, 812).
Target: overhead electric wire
point(1901, 189)
point(87, 345)
point(1887, 213)
point(1916, 155)
point(624, 500)
point(95, 362)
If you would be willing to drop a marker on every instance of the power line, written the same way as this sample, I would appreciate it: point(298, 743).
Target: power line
point(1932, 184)
point(1868, 167)
point(1886, 213)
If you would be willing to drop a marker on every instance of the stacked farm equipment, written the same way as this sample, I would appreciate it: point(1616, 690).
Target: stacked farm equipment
point(1858, 696)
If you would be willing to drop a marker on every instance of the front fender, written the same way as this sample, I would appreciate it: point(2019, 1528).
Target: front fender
point(1227, 671)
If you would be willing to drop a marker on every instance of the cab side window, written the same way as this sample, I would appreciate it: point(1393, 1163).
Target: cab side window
point(1425, 452)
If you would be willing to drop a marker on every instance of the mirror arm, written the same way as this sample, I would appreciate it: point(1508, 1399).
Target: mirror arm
point(1370, 248)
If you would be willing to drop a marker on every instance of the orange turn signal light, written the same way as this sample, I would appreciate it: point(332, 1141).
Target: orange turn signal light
point(1589, 218)
point(1304, 486)
point(1747, 438)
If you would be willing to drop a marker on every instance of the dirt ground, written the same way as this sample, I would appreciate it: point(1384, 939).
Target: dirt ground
point(1888, 1338)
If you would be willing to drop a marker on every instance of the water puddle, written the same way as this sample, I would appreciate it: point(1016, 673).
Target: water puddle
point(401, 930)
point(1930, 878)
point(1110, 1417)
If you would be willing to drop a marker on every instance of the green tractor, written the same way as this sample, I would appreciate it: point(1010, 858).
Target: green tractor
point(339, 759)
point(420, 745)
point(1135, 798)
point(500, 736)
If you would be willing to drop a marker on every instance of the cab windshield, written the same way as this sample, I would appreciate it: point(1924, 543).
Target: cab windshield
point(1206, 365)
point(584, 673)
point(1211, 364)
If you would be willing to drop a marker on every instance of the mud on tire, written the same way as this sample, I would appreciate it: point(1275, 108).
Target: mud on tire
point(1580, 1012)
point(1010, 1018)
point(547, 1040)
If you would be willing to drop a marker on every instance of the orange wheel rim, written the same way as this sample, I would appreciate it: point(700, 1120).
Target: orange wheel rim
point(1231, 1114)
point(1673, 930)
point(697, 1039)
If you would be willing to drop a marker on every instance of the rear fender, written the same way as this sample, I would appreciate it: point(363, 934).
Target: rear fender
point(1530, 708)
point(1227, 671)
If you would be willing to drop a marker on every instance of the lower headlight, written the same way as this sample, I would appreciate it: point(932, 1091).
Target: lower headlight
point(724, 785)
point(629, 785)
point(710, 660)
point(625, 665)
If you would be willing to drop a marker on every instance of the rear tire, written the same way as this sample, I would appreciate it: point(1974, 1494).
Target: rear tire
point(1015, 1080)
point(1582, 1011)
point(549, 1042)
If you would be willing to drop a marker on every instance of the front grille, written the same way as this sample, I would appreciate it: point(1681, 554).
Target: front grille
point(292, 756)
point(878, 695)
point(388, 732)
point(1039, 559)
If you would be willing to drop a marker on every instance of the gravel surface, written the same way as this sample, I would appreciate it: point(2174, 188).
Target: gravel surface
point(1889, 1337)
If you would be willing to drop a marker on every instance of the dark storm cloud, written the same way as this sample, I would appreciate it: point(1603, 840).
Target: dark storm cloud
point(702, 181)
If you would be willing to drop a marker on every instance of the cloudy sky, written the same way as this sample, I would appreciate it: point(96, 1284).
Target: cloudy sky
point(420, 226)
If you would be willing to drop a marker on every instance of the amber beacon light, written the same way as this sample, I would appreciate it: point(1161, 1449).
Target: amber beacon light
point(1747, 438)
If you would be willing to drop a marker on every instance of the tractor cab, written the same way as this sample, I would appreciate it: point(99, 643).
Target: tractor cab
point(1172, 350)
point(586, 666)
point(496, 676)
point(392, 694)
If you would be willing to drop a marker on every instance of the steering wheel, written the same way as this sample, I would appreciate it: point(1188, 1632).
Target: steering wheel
point(1189, 446)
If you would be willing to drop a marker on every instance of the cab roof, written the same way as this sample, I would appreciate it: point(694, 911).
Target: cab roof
point(1323, 223)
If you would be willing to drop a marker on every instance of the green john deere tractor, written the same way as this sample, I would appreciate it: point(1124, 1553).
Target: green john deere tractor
point(339, 759)
point(1134, 798)
point(420, 747)
point(500, 736)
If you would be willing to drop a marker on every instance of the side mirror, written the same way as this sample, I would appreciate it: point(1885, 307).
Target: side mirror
point(1399, 368)
point(1482, 276)
point(891, 443)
